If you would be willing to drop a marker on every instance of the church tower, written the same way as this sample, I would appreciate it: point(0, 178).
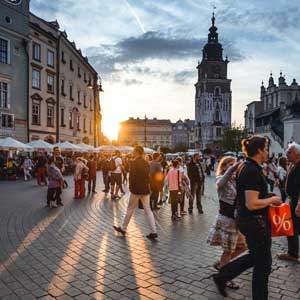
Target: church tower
point(213, 94)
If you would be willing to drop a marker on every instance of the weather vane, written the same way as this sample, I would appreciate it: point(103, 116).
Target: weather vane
point(213, 7)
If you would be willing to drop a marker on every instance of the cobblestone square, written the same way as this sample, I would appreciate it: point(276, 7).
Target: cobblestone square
point(72, 252)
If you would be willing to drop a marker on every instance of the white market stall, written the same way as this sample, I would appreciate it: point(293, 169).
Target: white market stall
point(67, 146)
point(40, 145)
point(125, 149)
point(107, 148)
point(86, 148)
point(10, 144)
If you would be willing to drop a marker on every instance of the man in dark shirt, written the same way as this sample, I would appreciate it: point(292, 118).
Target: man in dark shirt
point(156, 180)
point(92, 165)
point(139, 186)
point(196, 176)
point(293, 192)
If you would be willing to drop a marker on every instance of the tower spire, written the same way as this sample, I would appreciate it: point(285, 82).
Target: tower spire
point(213, 19)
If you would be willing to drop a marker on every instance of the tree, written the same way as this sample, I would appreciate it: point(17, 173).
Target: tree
point(180, 147)
point(232, 138)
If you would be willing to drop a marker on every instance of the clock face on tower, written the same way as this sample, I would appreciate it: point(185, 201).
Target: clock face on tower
point(14, 2)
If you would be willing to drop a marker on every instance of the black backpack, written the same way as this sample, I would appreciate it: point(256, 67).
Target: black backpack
point(112, 165)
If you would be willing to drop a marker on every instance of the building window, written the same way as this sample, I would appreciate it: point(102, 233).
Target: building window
point(71, 92)
point(36, 79)
point(50, 58)
point(219, 131)
point(78, 122)
point(62, 117)
point(78, 97)
point(4, 95)
point(50, 83)
point(50, 115)
point(79, 72)
point(36, 114)
point(71, 65)
point(63, 87)
point(84, 77)
point(84, 101)
point(84, 125)
point(91, 131)
point(63, 60)
point(36, 51)
point(91, 104)
point(70, 120)
point(7, 121)
point(4, 51)
point(217, 115)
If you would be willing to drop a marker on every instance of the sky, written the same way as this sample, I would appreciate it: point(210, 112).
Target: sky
point(146, 51)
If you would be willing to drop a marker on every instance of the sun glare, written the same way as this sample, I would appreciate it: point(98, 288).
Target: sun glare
point(111, 127)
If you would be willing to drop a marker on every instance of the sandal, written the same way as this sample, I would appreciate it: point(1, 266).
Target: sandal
point(232, 285)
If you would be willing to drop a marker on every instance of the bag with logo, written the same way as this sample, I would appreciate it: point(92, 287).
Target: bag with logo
point(280, 218)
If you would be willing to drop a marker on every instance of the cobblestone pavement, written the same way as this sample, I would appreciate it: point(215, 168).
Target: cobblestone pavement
point(73, 252)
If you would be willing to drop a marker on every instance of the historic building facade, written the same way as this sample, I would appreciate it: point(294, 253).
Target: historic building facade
point(43, 95)
point(78, 91)
point(277, 113)
point(213, 94)
point(151, 133)
point(48, 89)
point(183, 134)
point(14, 30)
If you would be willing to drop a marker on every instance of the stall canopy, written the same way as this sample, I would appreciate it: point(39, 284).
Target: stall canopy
point(148, 150)
point(125, 149)
point(40, 145)
point(107, 148)
point(67, 146)
point(86, 147)
point(9, 143)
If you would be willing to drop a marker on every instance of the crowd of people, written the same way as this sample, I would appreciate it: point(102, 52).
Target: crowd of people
point(246, 186)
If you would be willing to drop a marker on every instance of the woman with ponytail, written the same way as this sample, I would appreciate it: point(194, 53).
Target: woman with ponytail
point(253, 202)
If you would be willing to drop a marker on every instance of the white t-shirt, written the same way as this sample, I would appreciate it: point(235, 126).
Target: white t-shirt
point(118, 161)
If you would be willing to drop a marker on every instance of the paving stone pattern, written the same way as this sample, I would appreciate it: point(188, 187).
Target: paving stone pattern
point(74, 253)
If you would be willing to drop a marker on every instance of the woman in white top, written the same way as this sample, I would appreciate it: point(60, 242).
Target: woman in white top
point(281, 173)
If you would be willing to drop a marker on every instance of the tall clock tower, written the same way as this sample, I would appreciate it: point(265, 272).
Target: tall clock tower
point(213, 94)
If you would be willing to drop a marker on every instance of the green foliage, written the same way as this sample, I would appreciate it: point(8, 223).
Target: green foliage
point(180, 147)
point(232, 138)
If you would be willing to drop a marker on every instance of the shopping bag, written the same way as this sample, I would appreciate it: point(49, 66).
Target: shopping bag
point(281, 221)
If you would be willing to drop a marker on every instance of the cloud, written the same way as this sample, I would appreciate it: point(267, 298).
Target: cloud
point(184, 77)
point(132, 82)
point(111, 58)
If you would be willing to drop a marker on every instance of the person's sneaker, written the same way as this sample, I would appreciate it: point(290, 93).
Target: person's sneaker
point(119, 229)
point(94, 192)
point(221, 286)
point(288, 257)
point(190, 211)
point(104, 191)
point(183, 212)
point(60, 204)
point(152, 236)
point(200, 211)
